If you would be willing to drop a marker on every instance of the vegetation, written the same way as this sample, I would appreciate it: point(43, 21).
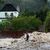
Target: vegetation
point(32, 16)
point(26, 12)
point(1, 1)
point(21, 24)
point(26, 23)
point(47, 22)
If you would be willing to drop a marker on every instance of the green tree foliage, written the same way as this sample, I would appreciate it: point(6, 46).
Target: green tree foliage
point(1, 1)
point(43, 12)
point(26, 12)
point(21, 24)
point(4, 25)
point(47, 22)
point(26, 23)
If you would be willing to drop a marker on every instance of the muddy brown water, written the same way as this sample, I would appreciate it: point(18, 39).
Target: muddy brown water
point(12, 34)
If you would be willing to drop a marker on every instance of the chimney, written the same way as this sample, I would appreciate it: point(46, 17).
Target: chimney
point(18, 8)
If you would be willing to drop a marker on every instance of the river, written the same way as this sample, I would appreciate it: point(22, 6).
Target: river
point(21, 44)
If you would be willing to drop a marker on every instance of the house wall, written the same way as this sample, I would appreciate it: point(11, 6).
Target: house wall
point(2, 14)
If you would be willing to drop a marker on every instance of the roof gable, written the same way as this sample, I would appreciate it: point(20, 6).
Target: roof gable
point(8, 7)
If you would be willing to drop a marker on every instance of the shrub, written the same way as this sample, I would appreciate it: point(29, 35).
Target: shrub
point(26, 23)
point(21, 24)
point(4, 25)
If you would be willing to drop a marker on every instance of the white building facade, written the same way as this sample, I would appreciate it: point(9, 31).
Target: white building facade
point(8, 13)
point(8, 10)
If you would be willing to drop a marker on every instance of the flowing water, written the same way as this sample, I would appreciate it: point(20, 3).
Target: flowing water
point(21, 44)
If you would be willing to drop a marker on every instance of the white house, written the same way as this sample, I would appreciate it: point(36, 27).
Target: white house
point(8, 10)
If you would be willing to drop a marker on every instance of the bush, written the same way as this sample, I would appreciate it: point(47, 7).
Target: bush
point(21, 24)
point(26, 23)
point(4, 25)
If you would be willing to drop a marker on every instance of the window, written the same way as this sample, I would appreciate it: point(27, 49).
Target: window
point(11, 14)
point(5, 14)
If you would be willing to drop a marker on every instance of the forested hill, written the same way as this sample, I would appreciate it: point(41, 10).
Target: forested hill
point(49, 4)
point(34, 5)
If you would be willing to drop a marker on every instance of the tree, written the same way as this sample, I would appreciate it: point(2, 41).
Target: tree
point(1, 1)
point(47, 22)
point(26, 12)
point(43, 12)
